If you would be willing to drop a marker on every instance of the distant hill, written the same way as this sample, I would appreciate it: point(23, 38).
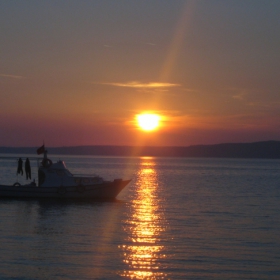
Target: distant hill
point(266, 149)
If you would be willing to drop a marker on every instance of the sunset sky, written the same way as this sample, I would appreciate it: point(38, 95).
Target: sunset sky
point(79, 72)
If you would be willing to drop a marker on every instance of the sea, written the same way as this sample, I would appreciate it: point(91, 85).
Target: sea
point(179, 218)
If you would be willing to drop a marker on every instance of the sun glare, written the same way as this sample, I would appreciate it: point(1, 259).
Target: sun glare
point(148, 122)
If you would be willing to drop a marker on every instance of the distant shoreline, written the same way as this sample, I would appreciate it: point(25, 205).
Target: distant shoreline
point(264, 149)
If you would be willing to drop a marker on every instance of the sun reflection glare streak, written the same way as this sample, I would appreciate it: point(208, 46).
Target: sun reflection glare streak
point(144, 225)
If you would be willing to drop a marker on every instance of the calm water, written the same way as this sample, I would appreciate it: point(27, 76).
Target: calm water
point(178, 219)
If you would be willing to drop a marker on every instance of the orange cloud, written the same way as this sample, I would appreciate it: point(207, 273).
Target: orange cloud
point(142, 85)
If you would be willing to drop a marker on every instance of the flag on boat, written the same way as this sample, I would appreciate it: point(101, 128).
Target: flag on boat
point(41, 150)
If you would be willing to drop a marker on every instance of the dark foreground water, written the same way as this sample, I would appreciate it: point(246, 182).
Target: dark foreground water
point(178, 219)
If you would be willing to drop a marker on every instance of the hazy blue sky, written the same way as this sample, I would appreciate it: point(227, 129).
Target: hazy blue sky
point(77, 72)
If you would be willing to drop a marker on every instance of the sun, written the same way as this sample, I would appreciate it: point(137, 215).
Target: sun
point(148, 122)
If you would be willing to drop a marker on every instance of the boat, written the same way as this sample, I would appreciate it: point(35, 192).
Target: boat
point(56, 181)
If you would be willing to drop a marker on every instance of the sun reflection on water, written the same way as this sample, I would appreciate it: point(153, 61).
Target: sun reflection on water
point(144, 225)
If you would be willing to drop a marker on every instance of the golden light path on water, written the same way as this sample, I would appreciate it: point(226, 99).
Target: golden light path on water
point(144, 227)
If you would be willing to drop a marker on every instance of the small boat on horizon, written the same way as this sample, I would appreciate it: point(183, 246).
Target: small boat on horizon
point(56, 181)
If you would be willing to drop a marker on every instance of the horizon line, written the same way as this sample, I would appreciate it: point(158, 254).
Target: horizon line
point(150, 146)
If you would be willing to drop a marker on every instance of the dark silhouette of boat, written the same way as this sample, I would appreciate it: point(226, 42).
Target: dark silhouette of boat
point(56, 181)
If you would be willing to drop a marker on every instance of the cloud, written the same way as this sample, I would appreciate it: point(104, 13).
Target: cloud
point(239, 96)
point(152, 85)
point(237, 93)
point(11, 76)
